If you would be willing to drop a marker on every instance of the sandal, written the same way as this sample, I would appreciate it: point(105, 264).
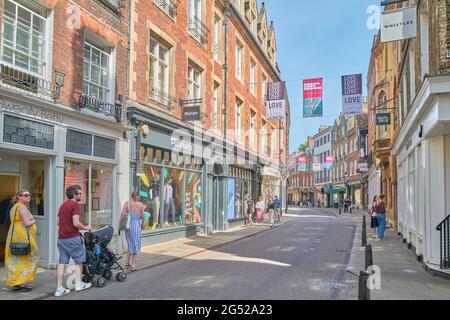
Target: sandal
point(127, 265)
point(133, 269)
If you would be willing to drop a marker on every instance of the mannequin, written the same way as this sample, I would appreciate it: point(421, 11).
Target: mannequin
point(169, 203)
point(155, 192)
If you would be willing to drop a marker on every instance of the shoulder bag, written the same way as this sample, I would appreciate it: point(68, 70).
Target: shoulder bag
point(125, 222)
point(19, 248)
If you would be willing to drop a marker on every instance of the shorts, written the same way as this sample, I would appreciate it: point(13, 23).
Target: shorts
point(71, 248)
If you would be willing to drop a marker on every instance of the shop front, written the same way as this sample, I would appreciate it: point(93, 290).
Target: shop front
point(46, 147)
point(244, 185)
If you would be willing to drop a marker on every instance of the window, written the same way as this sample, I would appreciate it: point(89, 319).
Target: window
point(23, 39)
point(238, 61)
point(194, 80)
point(216, 38)
point(216, 110)
point(238, 121)
point(196, 27)
point(159, 72)
point(252, 129)
point(252, 77)
point(96, 73)
point(263, 137)
point(263, 87)
point(28, 133)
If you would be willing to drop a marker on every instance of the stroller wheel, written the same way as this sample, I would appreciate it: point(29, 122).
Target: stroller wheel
point(107, 274)
point(121, 276)
point(87, 278)
point(100, 282)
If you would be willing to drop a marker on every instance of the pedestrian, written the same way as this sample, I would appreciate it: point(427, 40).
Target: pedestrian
point(278, 207)
point(270, 207)
point(381, 216)
point(133, 234)
point(21, 269)
point(250, 209)
point(70, 243)
point(373, 216)
point(259, 209)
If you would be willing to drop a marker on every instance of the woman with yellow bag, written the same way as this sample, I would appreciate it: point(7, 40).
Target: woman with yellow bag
point(22, 253)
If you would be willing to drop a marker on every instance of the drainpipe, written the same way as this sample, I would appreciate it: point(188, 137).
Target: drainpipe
point(225, 85)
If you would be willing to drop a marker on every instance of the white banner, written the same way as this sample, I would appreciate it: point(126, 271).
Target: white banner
point(276, 109)
point(398, 24)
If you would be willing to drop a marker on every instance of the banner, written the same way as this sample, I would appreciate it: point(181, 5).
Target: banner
point(276, 101)
point(398, 24)
point(329, 163)
point(302, 164)
point(317, 166)
point(352, 101)
point(312, 98)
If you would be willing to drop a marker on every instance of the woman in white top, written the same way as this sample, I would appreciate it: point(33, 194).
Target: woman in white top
point(260, 209)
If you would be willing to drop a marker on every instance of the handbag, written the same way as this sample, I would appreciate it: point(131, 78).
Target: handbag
point(19, 248)
point(125, 222)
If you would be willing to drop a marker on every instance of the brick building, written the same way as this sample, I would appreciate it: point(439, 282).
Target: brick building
point(180, 59)
point(63, 83)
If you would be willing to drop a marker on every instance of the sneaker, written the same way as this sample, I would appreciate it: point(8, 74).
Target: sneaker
point(82, 286)
point(61, 291)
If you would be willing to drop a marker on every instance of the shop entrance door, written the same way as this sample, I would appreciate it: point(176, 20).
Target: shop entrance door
point(9, 184)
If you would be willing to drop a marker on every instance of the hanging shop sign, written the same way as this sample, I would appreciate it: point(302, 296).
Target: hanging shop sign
point(398, 24)
point(312, 98)
point(276, 101)
point(383, 119)
point(302, 164)
point(352, 101)
point(363, 167)
point(191, 113)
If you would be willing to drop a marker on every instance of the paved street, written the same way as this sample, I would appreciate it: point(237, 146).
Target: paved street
point(304, 258)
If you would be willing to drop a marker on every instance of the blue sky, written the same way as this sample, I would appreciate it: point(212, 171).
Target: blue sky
point(319, 38)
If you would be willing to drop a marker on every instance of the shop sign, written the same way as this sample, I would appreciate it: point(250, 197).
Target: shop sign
point(362, 167)
point(383, 119)
point(178, 144)
point(30, 111)
point(191, 113)
point(398, 24)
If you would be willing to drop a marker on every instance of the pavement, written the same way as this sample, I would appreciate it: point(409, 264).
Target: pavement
point(402, 276)
point(151, 256)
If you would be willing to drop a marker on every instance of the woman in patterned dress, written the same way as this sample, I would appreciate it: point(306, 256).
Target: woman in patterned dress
point(133, 235)
point(21, 270)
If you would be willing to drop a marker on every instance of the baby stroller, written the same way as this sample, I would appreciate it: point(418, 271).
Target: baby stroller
point(100, 260)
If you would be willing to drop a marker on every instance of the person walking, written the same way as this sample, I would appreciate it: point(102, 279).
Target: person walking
point(21, 270)
point(373, 216)
point(70, 243)
point(381, 216)
point(133, 235)
point(250, 209)
point(278, 208)
point(259, 209)
point(271, 210)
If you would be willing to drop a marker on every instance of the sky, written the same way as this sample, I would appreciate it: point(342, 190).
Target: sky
point(319, 38)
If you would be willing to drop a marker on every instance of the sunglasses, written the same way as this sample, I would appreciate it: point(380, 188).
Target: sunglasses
point(78, 194)
point(25, 195)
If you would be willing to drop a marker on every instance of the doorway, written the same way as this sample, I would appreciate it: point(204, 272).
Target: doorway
point(9, 185)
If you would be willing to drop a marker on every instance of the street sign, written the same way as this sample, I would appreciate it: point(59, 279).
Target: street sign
point(191, 113)
point(383, 119)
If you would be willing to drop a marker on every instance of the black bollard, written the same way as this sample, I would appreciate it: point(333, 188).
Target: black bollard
point(364, 232)
point(363, 290)
point(369, 256)
point(340, 210)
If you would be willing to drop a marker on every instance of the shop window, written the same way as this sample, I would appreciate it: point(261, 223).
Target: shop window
point(96, 200)
point(29, 133)
point(104, 147)
point(36, 186)
point(78, 142)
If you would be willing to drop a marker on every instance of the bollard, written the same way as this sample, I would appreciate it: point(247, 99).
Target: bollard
point(364, 232)
point(369, 256)
point(351, 210)
point(340, 210)
point(363, 290)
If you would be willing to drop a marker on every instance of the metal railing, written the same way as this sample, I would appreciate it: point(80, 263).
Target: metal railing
point(198, 30)
point(105, 108)
point(168, 6)
point(163, 98)
point(13, 77)
point(115, 5)
point(444, 235)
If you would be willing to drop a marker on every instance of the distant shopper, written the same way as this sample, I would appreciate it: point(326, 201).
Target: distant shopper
point(278, 207)
point(259, 210)
point(250, 209)
point(70, 243)
point(21, 269)
point(270, 207)
point(381, 216)
point(133, 235)
point(373, 216)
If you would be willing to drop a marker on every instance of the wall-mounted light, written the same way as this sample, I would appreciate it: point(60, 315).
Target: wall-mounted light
point(144, 129)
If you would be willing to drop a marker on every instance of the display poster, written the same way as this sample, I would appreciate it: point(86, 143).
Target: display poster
point(76, 176)
point(231, 197)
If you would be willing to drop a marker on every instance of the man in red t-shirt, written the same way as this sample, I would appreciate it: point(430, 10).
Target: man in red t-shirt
point(70, 243)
